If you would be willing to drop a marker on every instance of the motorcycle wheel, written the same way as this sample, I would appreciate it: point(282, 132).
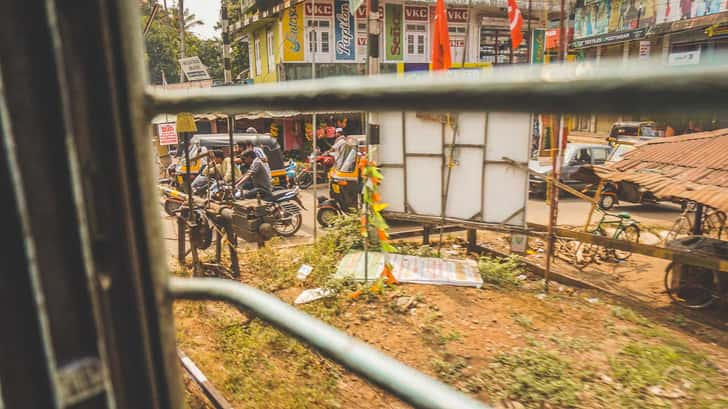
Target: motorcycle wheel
point(327, 216)
point(289, 226)
point(171, 206)
point(305, 180)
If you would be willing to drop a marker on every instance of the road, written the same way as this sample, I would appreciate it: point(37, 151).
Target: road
point(572, 212)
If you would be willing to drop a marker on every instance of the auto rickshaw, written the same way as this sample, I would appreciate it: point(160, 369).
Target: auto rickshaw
point(345, 186)
point(269, 145)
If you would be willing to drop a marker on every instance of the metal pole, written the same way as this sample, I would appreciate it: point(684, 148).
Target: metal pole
point(227, 71)
point(530, 34)
point(314, 48)
point(562, 35)
point(554, 203)
point(181, 13)
point(698, 223)
point(231, 131)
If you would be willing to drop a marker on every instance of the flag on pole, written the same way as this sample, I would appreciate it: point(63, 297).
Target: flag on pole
point(515, 19)
point(440, 39)
point(354, 6)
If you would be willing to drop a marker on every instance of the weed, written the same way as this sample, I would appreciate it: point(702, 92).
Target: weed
point(501, 272)
point(673, 367)
point(523, 320)
point(626, 314)
point(577, 344)
point(533, 376)
point(450, 371)
point(416, 250)
point(678, 320)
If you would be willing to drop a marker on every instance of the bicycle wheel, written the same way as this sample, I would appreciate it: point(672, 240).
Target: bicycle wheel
point(587, 253)
point(629, 233)
point(714, 224)
point(681, 227)
point(691, 287)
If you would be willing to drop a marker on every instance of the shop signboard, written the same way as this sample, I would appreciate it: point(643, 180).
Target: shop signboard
point(292, 23)
point(644, 49)
point(363, 11)
point(684, 58)
point(194, 69)
point(393, 31)
point(167, 133)
point(415, 13)
point(538, 50)
point(323, 9)
point(344, 31)
point(454, 15)
point(609, 38)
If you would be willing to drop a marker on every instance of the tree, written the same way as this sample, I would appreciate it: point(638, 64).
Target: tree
point(210, 53)
point(162, 47)
point(191, 20)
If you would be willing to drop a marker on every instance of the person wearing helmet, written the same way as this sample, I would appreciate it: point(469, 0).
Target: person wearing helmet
point(251, 130)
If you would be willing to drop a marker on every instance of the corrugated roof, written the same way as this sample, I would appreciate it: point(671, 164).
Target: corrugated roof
point(693, 167)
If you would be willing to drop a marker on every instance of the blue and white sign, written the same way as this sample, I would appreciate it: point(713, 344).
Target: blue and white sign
point(344, 31)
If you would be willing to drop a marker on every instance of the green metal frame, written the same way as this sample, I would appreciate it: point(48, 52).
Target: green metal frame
point(408, 384)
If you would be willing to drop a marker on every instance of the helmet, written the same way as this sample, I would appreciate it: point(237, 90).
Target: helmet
point(251, 130)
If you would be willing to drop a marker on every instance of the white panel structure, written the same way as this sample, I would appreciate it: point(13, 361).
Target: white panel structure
point(391, 149)
point(421, 135)
point(424, 186)
point(463, 201)
point(393, 189)
point(415, 153)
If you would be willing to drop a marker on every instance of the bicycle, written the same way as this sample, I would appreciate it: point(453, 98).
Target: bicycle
point(713, 223)
point(692, 287)
point(625, 229)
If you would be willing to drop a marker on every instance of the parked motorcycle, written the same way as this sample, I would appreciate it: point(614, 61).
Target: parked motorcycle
point(283, 212)
point(324, 162)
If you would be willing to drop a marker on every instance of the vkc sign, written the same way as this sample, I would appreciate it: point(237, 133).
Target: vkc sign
point(322, 9)
point(415, 13)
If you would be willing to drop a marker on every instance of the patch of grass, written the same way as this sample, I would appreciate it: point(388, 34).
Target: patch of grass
point(673, 367)
point(576, 344)
point(261, 362)
point(523, 320)
point(416, 250)
point(450, 370)
point(433, 334)
point(533, 376)
point(678, 319)
point(501, 272)
point(626, 314)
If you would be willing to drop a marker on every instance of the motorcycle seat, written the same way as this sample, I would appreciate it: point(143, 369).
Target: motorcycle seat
point(278, 194)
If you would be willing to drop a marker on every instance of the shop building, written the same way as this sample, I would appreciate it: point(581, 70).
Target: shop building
point(287, 39)
point(670, 32)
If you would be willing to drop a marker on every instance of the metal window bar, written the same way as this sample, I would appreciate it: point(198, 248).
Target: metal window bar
point(143, 367)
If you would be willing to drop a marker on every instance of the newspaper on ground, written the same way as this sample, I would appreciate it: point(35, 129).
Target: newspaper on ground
point(313, 294)
point(412, 269)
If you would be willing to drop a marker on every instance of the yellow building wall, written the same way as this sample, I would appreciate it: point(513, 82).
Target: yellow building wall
point(265, 75)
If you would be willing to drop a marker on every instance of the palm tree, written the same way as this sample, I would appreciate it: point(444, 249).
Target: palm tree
point(190, 19)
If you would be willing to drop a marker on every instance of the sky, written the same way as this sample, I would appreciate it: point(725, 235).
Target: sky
point(209, 12)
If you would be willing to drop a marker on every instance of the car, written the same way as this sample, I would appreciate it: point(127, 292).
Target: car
point(576, 156)
point(632, 131)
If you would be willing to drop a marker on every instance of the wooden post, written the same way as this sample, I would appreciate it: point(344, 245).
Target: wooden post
point(426, 229)
point(472, 235)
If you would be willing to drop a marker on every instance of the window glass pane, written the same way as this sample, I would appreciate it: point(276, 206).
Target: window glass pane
point(410, 44)
point(324, 42)
point(599, 155)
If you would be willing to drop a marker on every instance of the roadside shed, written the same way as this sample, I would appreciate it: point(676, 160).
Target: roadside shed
point(692, 167)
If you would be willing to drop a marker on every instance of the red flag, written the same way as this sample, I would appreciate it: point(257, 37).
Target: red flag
point(440, 39)
point(516, 21)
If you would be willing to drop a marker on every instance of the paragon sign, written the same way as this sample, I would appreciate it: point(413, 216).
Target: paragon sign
point(344, 31)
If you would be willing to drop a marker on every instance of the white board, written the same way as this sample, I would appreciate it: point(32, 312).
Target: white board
point(415, 153)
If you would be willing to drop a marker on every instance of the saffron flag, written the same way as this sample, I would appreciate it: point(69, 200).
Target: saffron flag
point(515, 19)
point(440, 39)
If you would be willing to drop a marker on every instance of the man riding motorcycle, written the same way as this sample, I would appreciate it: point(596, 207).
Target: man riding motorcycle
point(257, 181)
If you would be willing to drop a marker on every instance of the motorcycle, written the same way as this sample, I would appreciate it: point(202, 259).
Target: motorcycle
point(283, 212)
point(324, 162)
point(344, 189)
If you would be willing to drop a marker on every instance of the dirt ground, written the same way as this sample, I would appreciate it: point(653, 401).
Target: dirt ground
point(508, 344)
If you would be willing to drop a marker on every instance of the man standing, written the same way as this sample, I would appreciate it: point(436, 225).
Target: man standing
point(257, 180)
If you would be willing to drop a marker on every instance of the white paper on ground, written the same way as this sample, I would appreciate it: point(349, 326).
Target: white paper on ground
point(312, 295)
